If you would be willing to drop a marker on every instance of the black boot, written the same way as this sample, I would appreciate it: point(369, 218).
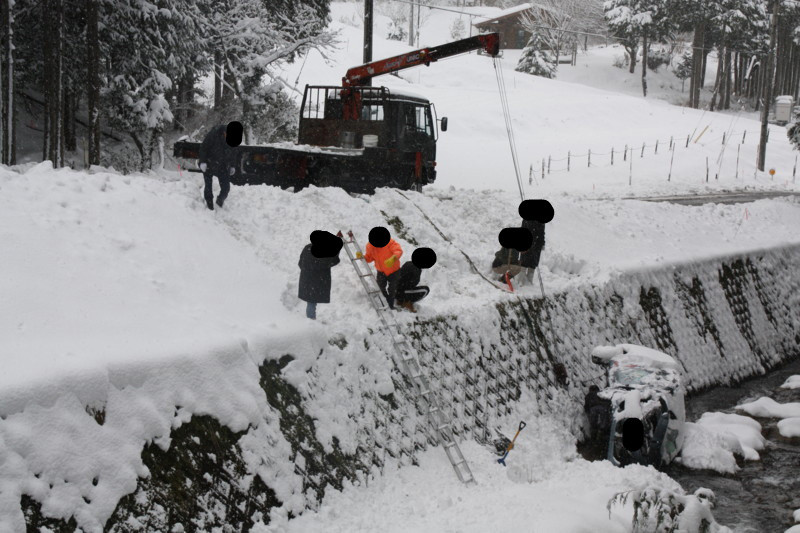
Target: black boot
point(210, 203)
point(220, 201)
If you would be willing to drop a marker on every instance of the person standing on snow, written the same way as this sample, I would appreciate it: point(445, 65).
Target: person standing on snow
point(316, 261)
point(217, 158)
point(529, 259)
point(385, 252)
point(535, 214)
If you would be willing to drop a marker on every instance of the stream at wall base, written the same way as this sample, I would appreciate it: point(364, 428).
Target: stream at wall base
point(762, 495)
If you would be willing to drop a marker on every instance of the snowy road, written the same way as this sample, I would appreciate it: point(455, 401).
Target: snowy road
point(718, 198)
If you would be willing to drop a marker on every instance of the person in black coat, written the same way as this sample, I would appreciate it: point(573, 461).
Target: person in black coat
point(217, 158)
point(408, 288)
point(315, 278)
point(529, 259)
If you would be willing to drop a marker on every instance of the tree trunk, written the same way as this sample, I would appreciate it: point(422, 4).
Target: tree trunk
point(704, 69)
point(52, 18)
point(632, 54)
point(218, 70)
point(717, 79)
point(93, 81)
point(726, 100)
point(8, 130)
point(644, 63)
point(68, 120)
point(411, 26)
point(697, 64)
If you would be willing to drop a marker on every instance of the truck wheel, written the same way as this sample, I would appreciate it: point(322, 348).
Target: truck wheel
point(325, 178)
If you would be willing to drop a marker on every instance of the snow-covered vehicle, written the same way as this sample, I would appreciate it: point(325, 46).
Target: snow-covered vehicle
point(647, 404)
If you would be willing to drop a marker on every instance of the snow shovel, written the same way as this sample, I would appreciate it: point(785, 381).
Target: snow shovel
point(502, 460)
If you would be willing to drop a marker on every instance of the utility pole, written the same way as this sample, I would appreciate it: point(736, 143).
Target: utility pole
point(766, 93)
point(368, 31)
point(411, 25)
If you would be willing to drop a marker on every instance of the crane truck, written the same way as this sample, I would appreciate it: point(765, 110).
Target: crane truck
point(356, 136)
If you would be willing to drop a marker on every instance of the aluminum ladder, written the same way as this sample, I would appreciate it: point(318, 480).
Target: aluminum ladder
point(406, 359)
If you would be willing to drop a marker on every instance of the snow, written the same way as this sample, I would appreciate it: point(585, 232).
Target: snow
point(554, 117)
point(635, 354)
point(707, 449)
point(715, 438)
point(792, 382)
point(768, 408)
point(544, 488)
point(789, 427)
point(123, 294)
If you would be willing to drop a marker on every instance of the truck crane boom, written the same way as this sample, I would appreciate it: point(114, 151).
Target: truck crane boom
point(489, 42)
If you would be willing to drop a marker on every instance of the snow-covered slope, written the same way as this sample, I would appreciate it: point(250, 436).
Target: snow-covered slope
point(553, 118)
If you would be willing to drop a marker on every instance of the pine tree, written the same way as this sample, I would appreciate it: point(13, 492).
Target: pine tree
point(535, 60)
point(684, 69)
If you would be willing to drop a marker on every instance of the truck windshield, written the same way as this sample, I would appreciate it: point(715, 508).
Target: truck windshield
point(418, 118)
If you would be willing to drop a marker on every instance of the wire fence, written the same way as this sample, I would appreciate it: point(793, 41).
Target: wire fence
point(624, 156)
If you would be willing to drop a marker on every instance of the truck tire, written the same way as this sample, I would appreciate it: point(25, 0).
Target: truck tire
point(325, 178)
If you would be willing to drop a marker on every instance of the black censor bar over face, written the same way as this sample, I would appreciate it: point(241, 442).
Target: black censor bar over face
point(423, 258)
point(325, 244)
point(538, 210)
point(519, 239)
point(379, 236)
point(233, 133)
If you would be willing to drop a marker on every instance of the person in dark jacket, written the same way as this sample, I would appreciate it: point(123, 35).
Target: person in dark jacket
point(529, 259)
point(506, 261)
point(408, 288)
point(217, 158)
point(598, 410)
point(315, 277)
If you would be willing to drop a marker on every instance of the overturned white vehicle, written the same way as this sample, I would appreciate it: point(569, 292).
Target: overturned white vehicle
point(646, 395)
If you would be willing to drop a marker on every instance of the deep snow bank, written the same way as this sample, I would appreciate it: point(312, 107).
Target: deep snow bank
point(198, 396)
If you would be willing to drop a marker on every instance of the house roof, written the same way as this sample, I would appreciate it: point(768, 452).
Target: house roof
point(511, 12)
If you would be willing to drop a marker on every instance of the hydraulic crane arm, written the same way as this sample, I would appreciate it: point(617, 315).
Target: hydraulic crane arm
point(489, 42)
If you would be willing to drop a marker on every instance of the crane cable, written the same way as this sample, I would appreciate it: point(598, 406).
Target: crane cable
point(512, 142)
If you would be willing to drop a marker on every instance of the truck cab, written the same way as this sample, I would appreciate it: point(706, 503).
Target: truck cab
point(400, 127)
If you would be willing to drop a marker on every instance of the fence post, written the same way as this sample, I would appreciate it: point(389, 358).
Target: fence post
point(738, 151)
point(794, 170)
point(543, 168)
point(630, 175)
point(744, 135)
point(530, 175)
point(612, 156)
point(670, 143)
point(723, 138)
point(549, 158)
point(590, 159)
point(643, 145)
point(687, 140)
point(706, 169)
point(656, 147)
point(569, 156)
point(625, 157)
point(671, 159)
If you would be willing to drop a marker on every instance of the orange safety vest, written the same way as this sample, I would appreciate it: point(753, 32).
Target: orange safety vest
point(379, 255)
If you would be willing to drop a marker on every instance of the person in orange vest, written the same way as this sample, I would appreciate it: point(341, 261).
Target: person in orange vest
point(385, 252)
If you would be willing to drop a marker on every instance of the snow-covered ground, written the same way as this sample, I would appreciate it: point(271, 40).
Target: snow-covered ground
point(552, 118)
point(124, 294)
point(545, 487)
